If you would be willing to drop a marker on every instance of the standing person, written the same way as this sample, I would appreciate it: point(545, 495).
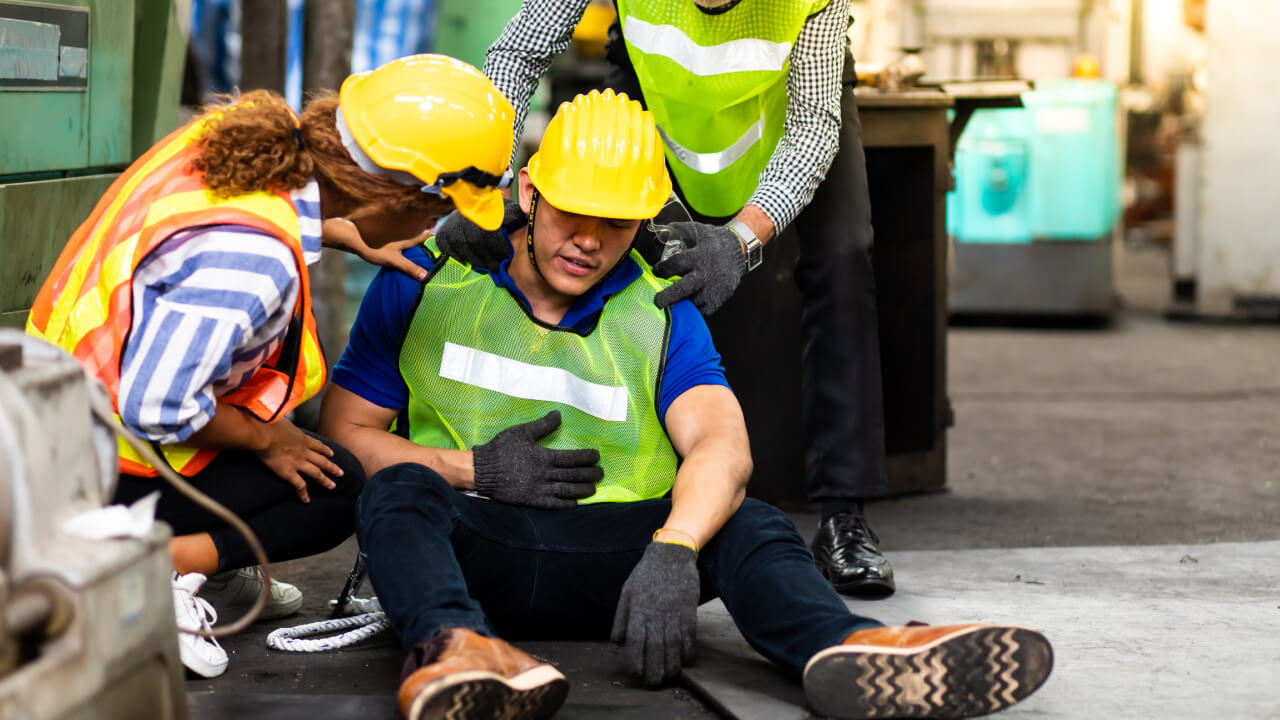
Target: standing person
point(187, 293)
point(749, 98)
point(556, 456)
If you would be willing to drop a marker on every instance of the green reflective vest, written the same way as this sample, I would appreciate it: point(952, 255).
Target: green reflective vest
point(717, 86)
point(477, 363)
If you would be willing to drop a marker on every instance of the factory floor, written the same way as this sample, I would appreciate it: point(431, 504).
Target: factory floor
point(1115, 487)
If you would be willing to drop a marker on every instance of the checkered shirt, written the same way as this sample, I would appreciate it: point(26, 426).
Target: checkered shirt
point(542, 29)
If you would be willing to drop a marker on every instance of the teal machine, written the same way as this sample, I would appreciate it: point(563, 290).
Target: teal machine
point(85, 87)
point(1035, 205)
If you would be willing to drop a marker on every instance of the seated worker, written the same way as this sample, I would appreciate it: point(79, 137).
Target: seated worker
point(525, 428)
point(187, 292)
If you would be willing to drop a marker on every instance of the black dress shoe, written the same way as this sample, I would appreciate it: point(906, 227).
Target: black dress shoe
point(846, 554)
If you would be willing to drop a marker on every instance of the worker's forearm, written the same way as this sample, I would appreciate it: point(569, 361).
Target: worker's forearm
point(710, 486)
point(377, 449)
point(231, 428)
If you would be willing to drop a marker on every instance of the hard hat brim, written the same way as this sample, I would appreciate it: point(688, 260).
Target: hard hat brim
point(482, 206)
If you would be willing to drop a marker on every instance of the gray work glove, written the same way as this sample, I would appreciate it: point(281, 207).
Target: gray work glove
point(513, 468)
point(463, 240)
point(709, 270)
point(657, 613)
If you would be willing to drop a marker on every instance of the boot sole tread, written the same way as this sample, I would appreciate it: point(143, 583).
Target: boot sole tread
point(535, 694)
point(975, 672)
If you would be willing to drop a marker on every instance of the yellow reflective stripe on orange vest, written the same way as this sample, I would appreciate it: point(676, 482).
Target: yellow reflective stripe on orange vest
point(315, 365)
point(176, 455)
point(272, 207)
point(91, 309)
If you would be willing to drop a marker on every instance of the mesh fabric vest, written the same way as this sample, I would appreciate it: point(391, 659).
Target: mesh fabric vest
point(717, 85)
point(476, 363)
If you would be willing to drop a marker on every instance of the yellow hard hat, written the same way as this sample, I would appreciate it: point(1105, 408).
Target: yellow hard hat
point(1086, 67)
point(601, 156)
point(437, 119)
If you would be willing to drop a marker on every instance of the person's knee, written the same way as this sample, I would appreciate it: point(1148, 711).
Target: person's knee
point(403, 483)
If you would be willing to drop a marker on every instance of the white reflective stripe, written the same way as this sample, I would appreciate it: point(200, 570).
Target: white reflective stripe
point(709, 163)
point(669, 41)
point(532, 382)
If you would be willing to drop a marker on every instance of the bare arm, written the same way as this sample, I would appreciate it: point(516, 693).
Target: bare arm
point(290, 453)
point(363, 428)
point(706, 427)
point(231, 428)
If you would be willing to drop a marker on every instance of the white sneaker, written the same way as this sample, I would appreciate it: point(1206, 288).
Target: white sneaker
point(202, 656)
point(234, 592)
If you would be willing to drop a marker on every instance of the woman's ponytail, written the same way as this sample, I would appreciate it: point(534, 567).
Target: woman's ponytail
point(253, 144)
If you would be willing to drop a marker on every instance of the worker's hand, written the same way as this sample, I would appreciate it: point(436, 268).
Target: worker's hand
point(296, 457)
point(657, 614)
point(466, 242)
point(513, 468)
point(710, 269)
point(343, 234)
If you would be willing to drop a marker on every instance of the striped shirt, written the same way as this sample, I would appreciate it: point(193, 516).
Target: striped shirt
point(542, 29)
point(210, 305)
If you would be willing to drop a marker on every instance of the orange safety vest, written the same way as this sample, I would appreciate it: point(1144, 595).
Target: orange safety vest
point(85, 305)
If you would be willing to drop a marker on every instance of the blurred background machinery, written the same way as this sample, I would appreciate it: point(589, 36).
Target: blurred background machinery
point(1226, 252)
point(1037, 189)
point(86, 626)
point(1036, 203)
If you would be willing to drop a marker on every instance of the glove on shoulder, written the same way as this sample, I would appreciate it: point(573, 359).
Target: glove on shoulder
point(709, 270)
point(463, 240)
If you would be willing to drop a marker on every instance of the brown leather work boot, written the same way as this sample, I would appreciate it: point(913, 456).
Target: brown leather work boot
point(473, 677)
point(952, 671)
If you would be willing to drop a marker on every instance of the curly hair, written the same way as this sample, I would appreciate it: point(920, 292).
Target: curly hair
point(250, 145)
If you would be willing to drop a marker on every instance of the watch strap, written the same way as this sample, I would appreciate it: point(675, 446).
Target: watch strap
point(754, 248)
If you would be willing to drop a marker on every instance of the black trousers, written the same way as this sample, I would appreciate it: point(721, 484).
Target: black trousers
point(287, 527)
point(439, 559)
point(842, 404)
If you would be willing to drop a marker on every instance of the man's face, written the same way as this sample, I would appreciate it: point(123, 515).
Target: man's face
point(574, 252)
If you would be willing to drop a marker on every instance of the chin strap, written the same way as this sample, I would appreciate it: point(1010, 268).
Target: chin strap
point(533, 210)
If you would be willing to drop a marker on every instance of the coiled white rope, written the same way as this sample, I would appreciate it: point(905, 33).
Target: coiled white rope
point(369, 622)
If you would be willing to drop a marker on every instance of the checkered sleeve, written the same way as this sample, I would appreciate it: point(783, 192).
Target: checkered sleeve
point(521, 54)
point(812, 132)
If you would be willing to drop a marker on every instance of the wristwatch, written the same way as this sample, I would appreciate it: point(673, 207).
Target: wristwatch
point(754, 248)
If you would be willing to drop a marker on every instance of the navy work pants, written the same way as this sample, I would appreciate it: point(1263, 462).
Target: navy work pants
point(438, 558)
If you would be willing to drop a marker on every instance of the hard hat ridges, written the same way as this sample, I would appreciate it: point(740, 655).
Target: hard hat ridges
point(600, 156)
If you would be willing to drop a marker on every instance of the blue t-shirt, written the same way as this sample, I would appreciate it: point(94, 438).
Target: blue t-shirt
point(370, 366)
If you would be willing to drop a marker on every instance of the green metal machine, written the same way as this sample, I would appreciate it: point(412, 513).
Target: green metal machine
point(86, 86)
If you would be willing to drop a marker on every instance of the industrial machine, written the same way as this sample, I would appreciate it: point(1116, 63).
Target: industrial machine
point(1037, 189)
point(85, 87)
point(86, 625)
point(1036, 203)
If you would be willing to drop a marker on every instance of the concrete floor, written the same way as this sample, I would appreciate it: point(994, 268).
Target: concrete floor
point(1083, 467)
